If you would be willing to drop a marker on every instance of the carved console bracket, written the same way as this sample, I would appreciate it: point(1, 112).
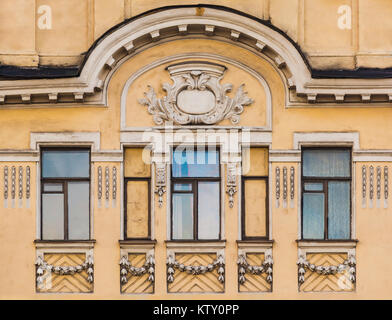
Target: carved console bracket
point(196, 96)
point(160, 181)
point(231, 182)
point(244, 267)
point(218, 263)
point(148, 267)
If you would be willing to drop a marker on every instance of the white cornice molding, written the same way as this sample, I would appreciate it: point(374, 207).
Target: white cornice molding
point(325, 138)
point(118, 46)
point(65, 138)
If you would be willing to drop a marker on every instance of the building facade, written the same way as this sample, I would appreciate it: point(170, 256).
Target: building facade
point(173, 150)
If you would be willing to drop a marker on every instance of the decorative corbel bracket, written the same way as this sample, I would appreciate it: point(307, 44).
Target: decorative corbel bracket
point(160, 181)
point(231, 187)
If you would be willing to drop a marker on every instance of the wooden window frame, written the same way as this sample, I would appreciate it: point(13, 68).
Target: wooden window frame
point(64, 181)
point(324, 181)
point(195, 181)
point(243, 211)
point(126, 180)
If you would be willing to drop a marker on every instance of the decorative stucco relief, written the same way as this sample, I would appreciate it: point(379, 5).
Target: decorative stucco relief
point(205, 274)
point(196, 96)
point(333, 271)
point(264, 268)
point(128, 269)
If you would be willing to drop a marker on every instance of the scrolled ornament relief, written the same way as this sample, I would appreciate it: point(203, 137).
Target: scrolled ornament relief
point(231, 182)
point(160, 181)
point(196, 96)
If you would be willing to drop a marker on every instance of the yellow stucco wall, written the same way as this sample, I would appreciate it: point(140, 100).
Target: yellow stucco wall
point(77, 24)
point(18, 226)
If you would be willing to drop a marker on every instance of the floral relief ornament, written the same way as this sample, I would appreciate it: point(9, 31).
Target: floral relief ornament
point(196, 96)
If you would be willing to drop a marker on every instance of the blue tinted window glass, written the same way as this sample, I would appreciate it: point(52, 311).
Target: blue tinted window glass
point(338, 210)
point(313, 216)
point(78, 210)
point(326, 163)
point(182, 216)
point(182, 187)
point(195, 163)
point(65, 164)
point(53, 216)
point(313, 186)
point(208, 207)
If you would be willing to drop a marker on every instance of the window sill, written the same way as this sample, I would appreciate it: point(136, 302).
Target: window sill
point(64, 244)
point(195, 245)
point(136, 241)
point(131, 245)
point(344, 244)
point(255, 244)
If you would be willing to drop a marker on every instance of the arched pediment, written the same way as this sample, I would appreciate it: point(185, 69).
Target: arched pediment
point(130, 38)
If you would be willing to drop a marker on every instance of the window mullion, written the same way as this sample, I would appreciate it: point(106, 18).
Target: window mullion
point(326, 209)
point(195, 210)
point(65, 189)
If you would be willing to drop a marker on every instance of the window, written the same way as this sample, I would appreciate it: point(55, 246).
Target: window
point(254, 193)
point(195, 195)
point(137, 172)
point(65, 194)
point(326, 194)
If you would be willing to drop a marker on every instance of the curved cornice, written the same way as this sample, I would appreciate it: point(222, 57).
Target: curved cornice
point(131, 37)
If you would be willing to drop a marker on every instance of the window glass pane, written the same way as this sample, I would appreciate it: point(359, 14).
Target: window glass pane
point(313, 186)
point(182, 216)
point(313, 216)
point(339, 210)
point(137, 209)
point(183, 187)
point(255, 192)
point(53, 187)
point(65, 164)
point(78, 210)
point(208, 207)
point(53, 217)
point(326, 163)
point(195, 163)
